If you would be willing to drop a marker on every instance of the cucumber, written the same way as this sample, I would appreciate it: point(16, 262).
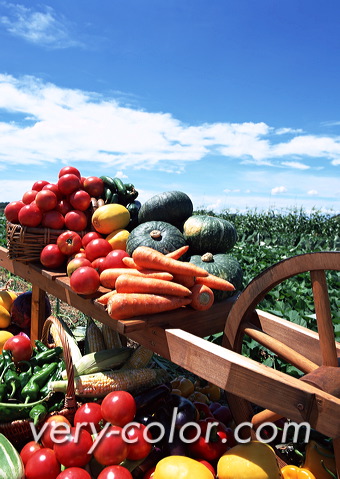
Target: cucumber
point(121, 188)
point(11, 465)
point(109, 182)
point(107, 194)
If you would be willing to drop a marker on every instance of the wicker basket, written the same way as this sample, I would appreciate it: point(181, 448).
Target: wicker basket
point(25, 244)
point(19, 431)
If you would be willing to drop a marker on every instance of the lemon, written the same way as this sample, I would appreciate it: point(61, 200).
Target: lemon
point(5, 317)
point(6, 299)
point(118, 239)
point(4, 335)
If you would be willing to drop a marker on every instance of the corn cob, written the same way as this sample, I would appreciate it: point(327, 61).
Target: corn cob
point(140, 358)
point(72, 343)
point(111, 337)
point(100, 361)
point(94, 340)
point(102, 383)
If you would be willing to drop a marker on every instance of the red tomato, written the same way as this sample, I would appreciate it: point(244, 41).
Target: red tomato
point(38, 185)
point(118, 408)
point(139, 440)
point(68, 183)
point(53, 187)
point(149, 473)
point(43, 464)
point(97, 248)
point(76, 220)
point(28, 450)
point(111, 448)
point(46, 200)
point(114, 259)
point(208, 465)
point(89, 237)
point(90, 416)
point(98, 264)
point(53, 219)
point(73, 451)
point(80, 200)
point(76, 263)
point(29, 196)
point(12, 209)
point(94, 186)
point(63, 206)
point(56, 426)
point(69, 169)
point(52, 257)
point(115, 472)
point(30, 215)
point(85, 280)
point(74, 473)
point(20, 347)
point(69, 242)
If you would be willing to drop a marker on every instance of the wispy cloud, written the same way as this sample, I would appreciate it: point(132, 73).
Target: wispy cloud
point(312, 192)
point(45, 123)
point(43, 27)
point(278, 190)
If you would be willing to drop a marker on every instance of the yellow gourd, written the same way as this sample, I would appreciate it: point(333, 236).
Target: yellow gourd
point(110, 217)
point(6, 299)
point(251, 460)
point(5, 317)
point(4, 335)
point(181, 467)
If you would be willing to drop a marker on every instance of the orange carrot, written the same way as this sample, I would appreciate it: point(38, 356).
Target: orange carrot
point(202, 297)
point(129, 262)
point(129, 305)
point(178, 252)
point(103, 299)
point(109, 276)
point(127, 283)
point(216, 283)
point(185, 280)
point(146, 257)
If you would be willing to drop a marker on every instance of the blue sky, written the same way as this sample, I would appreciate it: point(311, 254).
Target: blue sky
point(236, 103)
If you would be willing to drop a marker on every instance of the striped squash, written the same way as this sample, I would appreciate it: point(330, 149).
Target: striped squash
point(11, 465)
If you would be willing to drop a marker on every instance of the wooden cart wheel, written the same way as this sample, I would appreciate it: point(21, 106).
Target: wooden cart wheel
point(320, 367)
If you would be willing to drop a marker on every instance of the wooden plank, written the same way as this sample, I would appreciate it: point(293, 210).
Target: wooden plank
point(37, 313)
point(246, 378)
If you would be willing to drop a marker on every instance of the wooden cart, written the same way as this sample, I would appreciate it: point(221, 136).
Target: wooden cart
point(179, 337)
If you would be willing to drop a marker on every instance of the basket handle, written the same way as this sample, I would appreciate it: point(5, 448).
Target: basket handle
point(70, 397)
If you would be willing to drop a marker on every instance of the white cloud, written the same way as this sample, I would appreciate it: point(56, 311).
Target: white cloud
point(44, 27)
point(312, 192)
point(295, 164)
point(285, 131)
point(278, 190)
point(46, 124)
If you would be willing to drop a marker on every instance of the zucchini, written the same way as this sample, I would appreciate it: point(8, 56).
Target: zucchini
point(121, 188)
point(11, 465)
point(107, 194)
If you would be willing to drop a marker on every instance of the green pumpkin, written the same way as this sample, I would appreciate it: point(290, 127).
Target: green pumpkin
point(224, 266)
point(158, 235)
point(209, 233)
point(173, 207)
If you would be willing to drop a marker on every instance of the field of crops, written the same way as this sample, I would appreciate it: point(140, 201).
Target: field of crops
point(265, 238)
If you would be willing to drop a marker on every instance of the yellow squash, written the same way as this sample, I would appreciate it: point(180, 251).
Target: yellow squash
point(5, 317)
point(118, 238)
point(6, 299)
point(181, 467)
point(4, 335)
point(251, 460)
point(110, 217)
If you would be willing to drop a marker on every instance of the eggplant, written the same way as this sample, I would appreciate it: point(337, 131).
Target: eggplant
point(150, 400)
point(186, 410)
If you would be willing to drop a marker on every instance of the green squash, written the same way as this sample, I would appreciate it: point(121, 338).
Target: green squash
point(173, 207)
point(209, 233)
point(224, 266)
point(158, 235)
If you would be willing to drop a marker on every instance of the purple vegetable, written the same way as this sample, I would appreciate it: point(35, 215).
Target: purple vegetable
point(21, 310)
